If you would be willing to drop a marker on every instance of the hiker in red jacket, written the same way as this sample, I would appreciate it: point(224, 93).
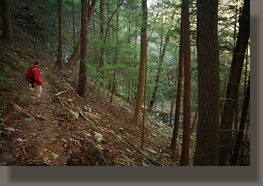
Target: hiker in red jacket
point(37, 81)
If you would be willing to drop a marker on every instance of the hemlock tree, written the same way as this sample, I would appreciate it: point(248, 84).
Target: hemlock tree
point(83, 46)
point(230, 104)
point(207, 140)
point(60, 34)
point(8, 34)
point(113, 90)
point(74, 57)
point(187, 83)
point(102, 48)
point(143, 61)
point(240, 134)
point(179, 92)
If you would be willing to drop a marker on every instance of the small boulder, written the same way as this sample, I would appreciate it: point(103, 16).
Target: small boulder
point(99, 137)
point(151, 151)
point(76, 115)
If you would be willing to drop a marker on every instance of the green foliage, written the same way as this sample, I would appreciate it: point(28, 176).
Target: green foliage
point(5, 134)
point(54, 98)
point(10, 65)
point(6, 83)
point(60, 111)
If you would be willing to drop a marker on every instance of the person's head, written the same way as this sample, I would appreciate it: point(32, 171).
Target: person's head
point(36, 63)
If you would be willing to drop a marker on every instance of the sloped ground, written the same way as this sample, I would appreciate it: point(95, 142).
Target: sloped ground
point(65, 129)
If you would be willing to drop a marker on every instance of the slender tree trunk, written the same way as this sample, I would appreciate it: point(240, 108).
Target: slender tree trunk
point(135, 57)
point(101, 59)
point(174, 96)
point(235, 26)
point(144, 106)
point(95, 38)
point(129, 64)
point(153, 99)
point(12, 14)
point(233, 84)
point(171, 111)
point(207, 139)
point(8, 34)
point(116, 56)
point(195, 119)
point(60, 34)
point(245, 83)
point(73, 25)
point(83, 47)
point(187, 84)
point(143, 61)
point(241, 126)
point(179, 93)
point(73, 59)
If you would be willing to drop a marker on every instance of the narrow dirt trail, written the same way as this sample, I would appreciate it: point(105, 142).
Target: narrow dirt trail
point(45, 131)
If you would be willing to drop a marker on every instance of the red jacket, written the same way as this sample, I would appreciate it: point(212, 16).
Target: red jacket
point(36, 75)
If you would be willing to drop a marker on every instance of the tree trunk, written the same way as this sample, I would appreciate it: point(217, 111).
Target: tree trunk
point(187, 84)
point(207, 139)
point(143, 61)
point(60, 35)
point(8, 34)
point(233, 84)
point(171, 111)
point(153, 99)
point(179, 93)
point(101, 58)
point(195, 119)
point(174, 96)
point(116, 56)
point(241, 126)
point(83, 46)
point(73, 59)
point(83, 50)
point(235, 26)
point(245, 83)
point(144, 107)
point(73, 25)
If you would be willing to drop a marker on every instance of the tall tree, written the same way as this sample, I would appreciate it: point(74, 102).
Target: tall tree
point(241, 126)
point(143, 61)
point(207, 140)
point(187, 83)
point(73, 23)
point(60, 34)
point(8, 34)
point(116, 54)
point(83, 46)
point(233, 84)
point(74, 57)
point(102, 48)
point(179, 92)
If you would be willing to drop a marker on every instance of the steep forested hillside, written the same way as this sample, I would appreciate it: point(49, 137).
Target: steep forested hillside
point(125, 82)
